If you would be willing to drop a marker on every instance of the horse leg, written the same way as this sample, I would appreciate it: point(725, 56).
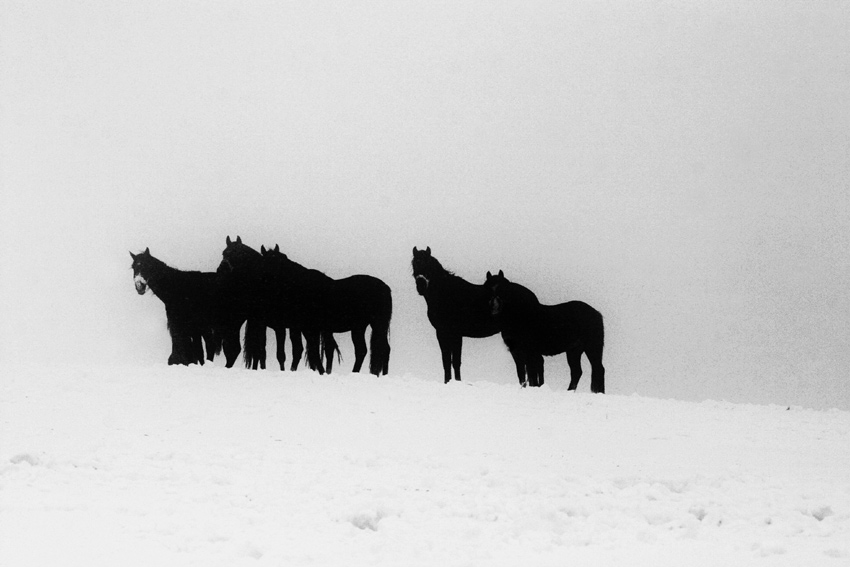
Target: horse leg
point(174, 357)
point(255, 343)
point(328, 347)
point(197, 348)
point(445, 341)
point(230, 345)
point(457, 347)
point(535, 368)
point(297, 347)
point(574, 360)
point(181, 347)
point(358, 337)
point(597, 371)
point(539, 365)
point(175, 331)
point(280, 338)
point(519, 361)
point(187, 350)
point(210, 342)
point(201, 350)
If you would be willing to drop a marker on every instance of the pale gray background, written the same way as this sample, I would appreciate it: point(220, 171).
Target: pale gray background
point(681, 166)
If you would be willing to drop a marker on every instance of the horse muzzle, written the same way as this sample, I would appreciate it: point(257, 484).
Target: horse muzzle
point(495, 306)
point(421, 284)
point(141, 285)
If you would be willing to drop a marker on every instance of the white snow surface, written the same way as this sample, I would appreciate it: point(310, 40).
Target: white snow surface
point(213, 467)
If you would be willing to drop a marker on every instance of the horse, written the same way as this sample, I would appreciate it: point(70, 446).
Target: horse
point(191, 308)
point(349, 304)
point(456, 309)
point(534, 329)
point(264, 303)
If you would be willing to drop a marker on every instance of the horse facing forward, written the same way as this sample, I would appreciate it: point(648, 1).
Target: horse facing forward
point(191, 306)
point(457, 309)
point(532, 329)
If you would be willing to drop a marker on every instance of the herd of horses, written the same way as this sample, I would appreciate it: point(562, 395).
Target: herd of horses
point(266, 290)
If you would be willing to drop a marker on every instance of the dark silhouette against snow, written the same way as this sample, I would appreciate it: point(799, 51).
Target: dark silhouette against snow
point(192, 306)
point(531, 329)
point(348, 304)
point(279, 293)
point(456, 309)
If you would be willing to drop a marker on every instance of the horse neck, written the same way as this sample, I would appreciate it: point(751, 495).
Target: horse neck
point(521, 306)
point(162, 279)
point(440, 276)
point(448, 286)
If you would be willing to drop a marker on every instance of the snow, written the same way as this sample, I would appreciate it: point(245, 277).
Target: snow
point(207, 466)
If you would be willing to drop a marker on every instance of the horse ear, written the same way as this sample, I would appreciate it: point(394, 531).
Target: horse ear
point(415, 250)
point(263, 249)
point(148, 251)
point(228, 240)
point(489, 275)
point(277, 247)
point(428, 250)
point(238, 239)
point(501, 274)
point(133, 256)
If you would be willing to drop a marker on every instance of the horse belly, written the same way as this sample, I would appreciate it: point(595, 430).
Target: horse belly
point(464, 328)
point(558, 330)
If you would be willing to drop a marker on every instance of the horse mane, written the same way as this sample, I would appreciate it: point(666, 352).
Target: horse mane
point(517, 293)
point(291, 264)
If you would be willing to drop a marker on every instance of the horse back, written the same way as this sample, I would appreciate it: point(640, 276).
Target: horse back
point(462, 308)
point(357, 300)
point(572, 323)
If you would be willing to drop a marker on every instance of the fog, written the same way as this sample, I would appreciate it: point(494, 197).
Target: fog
point(681, 167)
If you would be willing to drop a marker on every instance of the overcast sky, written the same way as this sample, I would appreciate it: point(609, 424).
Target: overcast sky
point(682, 166)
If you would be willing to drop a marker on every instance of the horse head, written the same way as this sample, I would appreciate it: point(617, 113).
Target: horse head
point(425, 268)
point(272, 253)
point(142, 266)
point(496, 285)
point(507, 297)
point(274, 258)
point(238, 257)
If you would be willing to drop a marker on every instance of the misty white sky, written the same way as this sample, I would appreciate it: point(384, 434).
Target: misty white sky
point(682, 167)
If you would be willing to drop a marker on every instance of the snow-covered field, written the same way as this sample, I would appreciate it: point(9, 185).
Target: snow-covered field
point(206, 466)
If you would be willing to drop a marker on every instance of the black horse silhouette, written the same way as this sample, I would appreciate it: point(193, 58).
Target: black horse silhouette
point(456, 309)
point(532, 329)
point(338, 306)
point(192, 306)
point(265, 301)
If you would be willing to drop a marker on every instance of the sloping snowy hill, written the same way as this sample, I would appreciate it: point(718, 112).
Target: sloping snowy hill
point(207, 466)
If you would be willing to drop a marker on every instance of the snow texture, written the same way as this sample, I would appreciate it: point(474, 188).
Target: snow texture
point(213, 467)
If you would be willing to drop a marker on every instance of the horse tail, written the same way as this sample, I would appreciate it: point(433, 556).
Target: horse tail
point(314, 351)
point(598, 330)
point(379, 358)
point(212, 338)
point(593, 350)
point(329, 346)
point(255, 344)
